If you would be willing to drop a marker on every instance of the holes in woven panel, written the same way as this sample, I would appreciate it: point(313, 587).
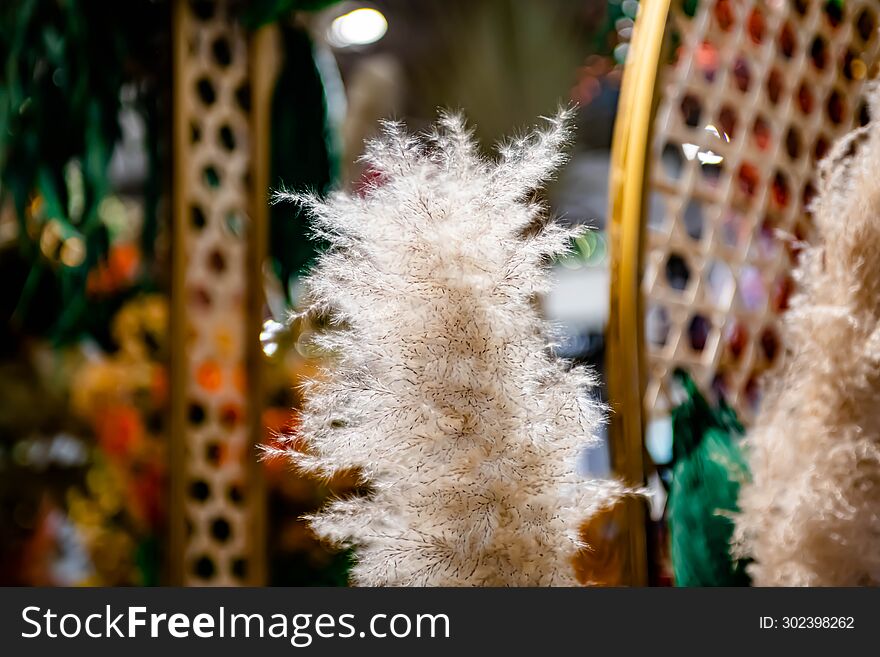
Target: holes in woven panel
point(673, 161)
point(203, 9)
point(742, 75)
point(196, 413)
point(205, 91)
point(783, 287)
point(706, 59)
point(724, 16)
point(677, 272)
point(691, 109)
point(720, 385)
point(710, 170)
point(836, 107)
point(197, 217)
point(752, 392)
point(767, 240)
point(819, 53)
point(243, 97)
point(217, 261)
point(727, 121)
point(200, 297)
point(761, 133)
point(227, 137)
point(657, 215)
point(693, 220)
point(220, 529)
point(235, 494)
point(805, 101)
point(769, 343)
point(719, 284)
point(209, 376)
point(787, 41)
point(820, 148)
point(734, 228)
point(795, 244)
point(781, 193)
point(195, 132)
point(657, 326)
point(221, 51)
point(774, 85)
point(230, 415)
point(756, 25)
point(736, 338)
point(800, 6)
point(204, 567)
point(751, 288)
point(689, 7)
point(748, 179)
point(233, 223)
point(214, 453)
point(239, 567)
point(199, 490)
point(864, 114)
point(854, 67)
point(793, 142)
point(211, 176)
point(807, 196)
point(865, 24)
point(698, 332)
point(833, 12)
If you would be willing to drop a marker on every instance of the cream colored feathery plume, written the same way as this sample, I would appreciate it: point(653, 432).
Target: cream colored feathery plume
point(811, 514)
point(443, 391)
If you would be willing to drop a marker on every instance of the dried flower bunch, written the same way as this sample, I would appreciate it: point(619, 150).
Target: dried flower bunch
point(811, 516)
point(443, 391)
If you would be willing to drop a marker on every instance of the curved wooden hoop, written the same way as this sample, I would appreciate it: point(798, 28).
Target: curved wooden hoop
point(627, 207)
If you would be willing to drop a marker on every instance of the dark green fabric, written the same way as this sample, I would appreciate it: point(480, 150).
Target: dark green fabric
point(257, 13)
point(708, 467)
point(302, 154)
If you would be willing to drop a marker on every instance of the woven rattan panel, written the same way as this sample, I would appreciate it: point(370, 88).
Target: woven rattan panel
point(753, 94)
point(213, 181)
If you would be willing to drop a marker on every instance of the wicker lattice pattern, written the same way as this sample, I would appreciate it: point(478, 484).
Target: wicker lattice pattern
point(754, 93)
point(215, 184)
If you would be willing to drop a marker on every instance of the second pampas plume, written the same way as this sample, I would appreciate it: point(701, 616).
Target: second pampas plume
point(810, 514)
point(442, 390)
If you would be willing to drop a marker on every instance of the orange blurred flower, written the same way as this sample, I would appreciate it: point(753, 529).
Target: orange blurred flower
point(116, 272)
point(120, 430)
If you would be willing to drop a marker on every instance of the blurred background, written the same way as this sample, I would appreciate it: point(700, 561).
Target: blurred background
point(147, 284)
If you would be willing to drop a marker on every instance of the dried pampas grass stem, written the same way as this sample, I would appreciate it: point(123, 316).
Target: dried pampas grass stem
point(443, 391)
point(811, 515)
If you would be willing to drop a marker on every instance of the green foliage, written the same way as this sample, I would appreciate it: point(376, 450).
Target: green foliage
point(64, 64)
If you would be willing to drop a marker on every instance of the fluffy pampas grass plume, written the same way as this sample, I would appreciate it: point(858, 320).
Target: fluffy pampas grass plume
point(443, 391)
point(811, 515)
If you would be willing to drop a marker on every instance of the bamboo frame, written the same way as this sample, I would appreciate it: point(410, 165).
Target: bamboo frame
point(627, 205)
point(232, 484)
point(177, 320)
point(264, 66)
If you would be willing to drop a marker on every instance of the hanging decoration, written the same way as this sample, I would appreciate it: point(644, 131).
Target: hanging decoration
point(305, 154)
